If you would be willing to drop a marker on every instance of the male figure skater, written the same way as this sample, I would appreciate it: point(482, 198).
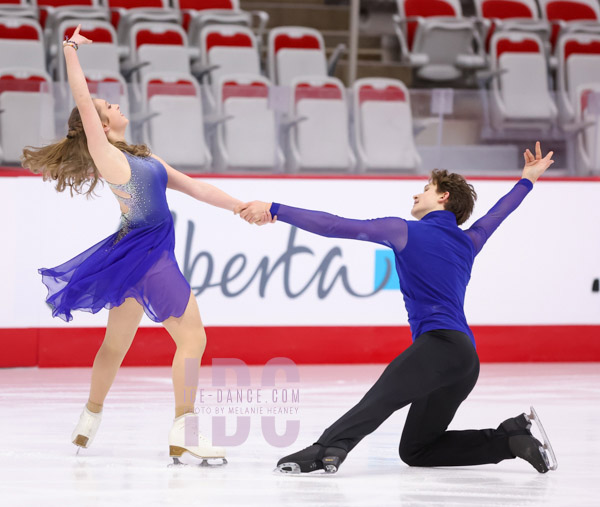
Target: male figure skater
point(437, 372)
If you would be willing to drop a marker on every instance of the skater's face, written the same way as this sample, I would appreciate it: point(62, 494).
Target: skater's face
point(113, 120)
point(428, 200)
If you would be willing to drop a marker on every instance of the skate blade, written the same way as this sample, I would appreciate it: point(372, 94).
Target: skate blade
point(204, 463)
point(294, 469)
point(546, 451)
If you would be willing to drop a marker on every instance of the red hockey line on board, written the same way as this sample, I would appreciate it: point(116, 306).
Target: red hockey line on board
point(66, 346)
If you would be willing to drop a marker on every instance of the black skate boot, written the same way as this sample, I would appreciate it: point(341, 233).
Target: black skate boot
point(313, 458)
point(524, 445)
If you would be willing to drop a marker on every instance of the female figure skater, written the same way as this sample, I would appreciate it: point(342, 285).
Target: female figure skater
point(436, 373)
point(134, 270)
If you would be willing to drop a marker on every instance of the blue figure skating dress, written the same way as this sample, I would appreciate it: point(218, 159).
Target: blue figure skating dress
point(137, 261)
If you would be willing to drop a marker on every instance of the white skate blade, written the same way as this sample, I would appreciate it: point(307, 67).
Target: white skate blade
point(548, 452)
point(294, 469)
point(206, 461)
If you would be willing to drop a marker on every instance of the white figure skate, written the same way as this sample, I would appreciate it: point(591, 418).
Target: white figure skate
point(185, 437)
point(86, 428)
point(548, 455)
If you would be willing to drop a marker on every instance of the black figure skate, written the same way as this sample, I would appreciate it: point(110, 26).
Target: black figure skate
point(313, 458)
point(525, 446)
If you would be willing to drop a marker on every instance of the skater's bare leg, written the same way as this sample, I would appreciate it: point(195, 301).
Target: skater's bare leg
point(185, 436)
point(123, 322)
point(189, 336)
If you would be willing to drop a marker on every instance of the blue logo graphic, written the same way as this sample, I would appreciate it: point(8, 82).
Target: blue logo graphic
point(384, 260)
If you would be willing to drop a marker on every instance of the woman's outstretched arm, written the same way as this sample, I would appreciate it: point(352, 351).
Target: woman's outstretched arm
point(111, 163)
point(198, 189)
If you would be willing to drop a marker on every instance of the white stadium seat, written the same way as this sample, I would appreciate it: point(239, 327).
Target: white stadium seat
point(319, 133)
point(588, 139)
point(26, 111)
point(227, 49)
point(436, 39)
point(520, 97)
point(21, 43)
point(295, 51)
point(578, 57)
point(246, 136)
point(511, 15)
point(383, 127)
point(567, 16)
point(176, 130)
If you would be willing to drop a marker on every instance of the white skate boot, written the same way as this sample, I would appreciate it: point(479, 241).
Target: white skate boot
point(86, 428)
point(185, 437)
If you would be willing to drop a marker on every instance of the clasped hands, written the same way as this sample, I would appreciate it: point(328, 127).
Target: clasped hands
point(255, 212)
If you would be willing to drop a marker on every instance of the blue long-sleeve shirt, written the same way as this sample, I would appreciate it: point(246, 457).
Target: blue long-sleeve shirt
point(434, 257)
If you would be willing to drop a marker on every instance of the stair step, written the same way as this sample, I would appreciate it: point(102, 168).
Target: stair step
point(321, 17)
point(374, 69)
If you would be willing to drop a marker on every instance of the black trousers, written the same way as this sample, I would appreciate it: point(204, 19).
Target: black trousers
point(435, 374)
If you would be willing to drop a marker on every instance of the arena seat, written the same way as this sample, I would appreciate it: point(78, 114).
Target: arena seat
point(53, 12)
point(102, 55)
point(568, 16)
point(21, 43)
point(26, 111)
point(510, 15)
point(196, 14)
point(227, 49)
point(124, 14)
point(295, 51)
point(174, 129)
point(588, 138)
point(578, 57)
point(18, 8)
point(318, 132)
point(383, 127)
point(520, 97)
point(246, 135)
point(437, 40)
point(156, 47)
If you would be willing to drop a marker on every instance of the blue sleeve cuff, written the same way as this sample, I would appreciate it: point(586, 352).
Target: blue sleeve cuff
point(526, 182)
point(274, 208)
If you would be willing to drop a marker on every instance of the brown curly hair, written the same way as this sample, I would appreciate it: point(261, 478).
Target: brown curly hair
point(462, 194)
point(68, 161)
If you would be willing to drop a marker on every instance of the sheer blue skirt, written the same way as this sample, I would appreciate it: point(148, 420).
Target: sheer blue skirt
point(135, 263)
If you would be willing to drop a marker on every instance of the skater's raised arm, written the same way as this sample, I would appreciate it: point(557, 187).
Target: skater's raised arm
point(198, 189)
point(109, 160)
point(481, 230)
point(389, 231)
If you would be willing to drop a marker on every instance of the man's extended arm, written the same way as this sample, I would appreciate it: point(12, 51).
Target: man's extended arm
point(481, 230)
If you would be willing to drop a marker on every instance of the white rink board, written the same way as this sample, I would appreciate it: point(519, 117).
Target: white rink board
point(538, 268)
